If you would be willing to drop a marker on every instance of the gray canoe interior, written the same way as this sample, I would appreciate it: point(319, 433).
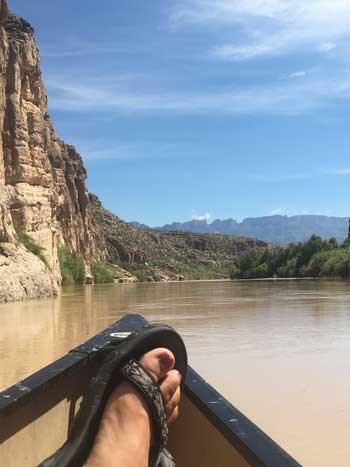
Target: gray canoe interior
point(38, 428)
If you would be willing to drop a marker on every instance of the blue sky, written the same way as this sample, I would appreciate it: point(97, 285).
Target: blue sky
point(224, 108)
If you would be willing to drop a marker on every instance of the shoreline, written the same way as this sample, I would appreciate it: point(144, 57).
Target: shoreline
point(266, 279)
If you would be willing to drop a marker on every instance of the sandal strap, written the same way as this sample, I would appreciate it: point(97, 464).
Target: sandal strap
point(141, 378)
point(166, 459)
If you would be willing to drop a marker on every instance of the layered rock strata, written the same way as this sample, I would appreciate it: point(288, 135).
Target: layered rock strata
point(42, 179)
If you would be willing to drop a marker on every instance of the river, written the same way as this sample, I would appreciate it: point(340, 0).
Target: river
point(278, 350)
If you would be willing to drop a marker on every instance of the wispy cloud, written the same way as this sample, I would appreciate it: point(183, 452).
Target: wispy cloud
point(260, 28)
point(271, 27)
point(292, 97)
point(78, 48)
point(299, 212)
point(289, 176)
point(101, 150)
point(109, 152)
point(298, 74)
point(341, 172)
point(286, 176)
point(327, 46)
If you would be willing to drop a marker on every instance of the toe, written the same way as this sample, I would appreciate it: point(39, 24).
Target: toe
point(170, 385)
point(158, 362)
point(173, 416)
point(173, 403)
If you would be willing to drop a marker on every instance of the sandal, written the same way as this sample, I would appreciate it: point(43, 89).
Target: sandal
point(121, 363)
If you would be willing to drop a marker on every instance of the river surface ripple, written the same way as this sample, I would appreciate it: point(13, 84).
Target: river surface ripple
point(278, 350)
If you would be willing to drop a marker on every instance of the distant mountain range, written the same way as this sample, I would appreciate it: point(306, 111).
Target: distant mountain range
point(273, 229)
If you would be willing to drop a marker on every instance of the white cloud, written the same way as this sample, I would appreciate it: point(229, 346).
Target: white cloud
point(201, 217)
point(261, 28)
point(272, 27)
point(277, 212)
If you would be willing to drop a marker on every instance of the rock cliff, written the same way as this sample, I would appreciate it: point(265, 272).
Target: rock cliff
point(42, 179)
point(44, 203)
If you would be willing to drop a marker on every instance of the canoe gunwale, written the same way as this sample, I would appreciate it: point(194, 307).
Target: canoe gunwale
point(252, 443)
point(21, 393)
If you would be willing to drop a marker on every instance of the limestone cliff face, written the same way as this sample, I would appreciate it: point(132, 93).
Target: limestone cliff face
point(42, 180)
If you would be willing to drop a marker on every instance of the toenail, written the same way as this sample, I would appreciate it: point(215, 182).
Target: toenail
point(166, 360)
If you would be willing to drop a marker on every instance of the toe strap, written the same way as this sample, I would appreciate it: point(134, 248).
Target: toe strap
point(141, 378)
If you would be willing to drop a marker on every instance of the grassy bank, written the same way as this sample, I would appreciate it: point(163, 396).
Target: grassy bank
point(185, 271)
point(72, 267)
point(102, 272)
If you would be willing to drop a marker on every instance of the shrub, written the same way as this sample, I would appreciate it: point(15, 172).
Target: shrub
point(261, 271)
point(234, 272)
point(138, 270)
point(316, 264)
point(338, 264)
point(72, 267)
point(102, 273)
point(313, 258)
point(141, 274)
point(289, 269)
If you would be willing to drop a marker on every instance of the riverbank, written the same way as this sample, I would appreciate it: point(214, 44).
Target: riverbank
point(315, 258)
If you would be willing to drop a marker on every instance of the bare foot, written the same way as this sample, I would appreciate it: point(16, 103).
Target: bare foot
point(124, 436)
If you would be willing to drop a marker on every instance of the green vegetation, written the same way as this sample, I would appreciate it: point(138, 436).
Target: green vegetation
point(202, 272)
point(103, 274)
point(138, 270)
point(72, 267)
point(313, 258)
point(30, 244)
point(187, 270)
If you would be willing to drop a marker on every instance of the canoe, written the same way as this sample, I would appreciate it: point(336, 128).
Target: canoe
point(37, 414)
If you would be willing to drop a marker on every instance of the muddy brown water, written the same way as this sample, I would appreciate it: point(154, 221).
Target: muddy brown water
point(278, 350)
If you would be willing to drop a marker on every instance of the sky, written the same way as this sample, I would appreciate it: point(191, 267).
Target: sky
point(202, 108)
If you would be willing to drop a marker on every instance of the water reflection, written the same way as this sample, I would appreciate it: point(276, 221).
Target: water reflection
point(278, 350)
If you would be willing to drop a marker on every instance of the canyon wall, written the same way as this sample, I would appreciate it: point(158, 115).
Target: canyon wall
point(43, 195)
